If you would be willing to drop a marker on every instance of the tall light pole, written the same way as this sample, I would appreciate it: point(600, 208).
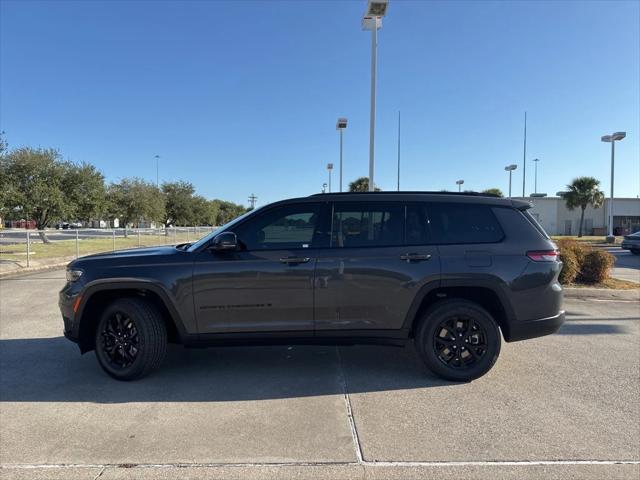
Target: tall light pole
point(524, 157)
point(324, 188)
point(329, 167)
point(510, 169)
point(398, 150)
point(340, 126)
point(372, 20)
point(157, 157)
point(535, 178)
point(459, 183)
point(613, 138)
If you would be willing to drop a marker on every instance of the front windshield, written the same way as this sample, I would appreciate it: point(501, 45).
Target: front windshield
point(204, 240)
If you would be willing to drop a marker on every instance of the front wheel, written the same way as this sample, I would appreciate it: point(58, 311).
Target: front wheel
point(131, 339)
point(458, 340)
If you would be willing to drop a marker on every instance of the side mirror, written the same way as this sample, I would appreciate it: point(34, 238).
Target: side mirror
point(224, 242)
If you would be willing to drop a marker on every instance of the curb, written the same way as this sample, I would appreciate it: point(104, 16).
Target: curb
point(34, 269)
point(601, 293)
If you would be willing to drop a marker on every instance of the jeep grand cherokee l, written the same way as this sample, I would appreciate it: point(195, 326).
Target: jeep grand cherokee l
point(452, 273)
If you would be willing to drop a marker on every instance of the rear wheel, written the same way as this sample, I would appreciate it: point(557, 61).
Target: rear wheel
point(131, 339)
point(458, 340)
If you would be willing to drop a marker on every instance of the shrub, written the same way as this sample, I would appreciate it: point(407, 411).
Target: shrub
point(572, 255)
point(570, 267)
point(595, 266)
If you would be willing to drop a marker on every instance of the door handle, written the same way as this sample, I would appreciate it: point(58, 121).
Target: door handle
point(414, 257)
point(294, 260)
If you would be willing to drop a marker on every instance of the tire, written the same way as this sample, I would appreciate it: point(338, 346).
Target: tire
point(131, 339)
point(449, 356)
point(635, 251)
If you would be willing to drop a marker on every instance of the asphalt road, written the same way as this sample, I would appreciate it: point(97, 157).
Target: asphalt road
point(563, 406)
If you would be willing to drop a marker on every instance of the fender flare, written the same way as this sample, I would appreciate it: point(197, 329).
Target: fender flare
point(482, 281)
point(131, 284)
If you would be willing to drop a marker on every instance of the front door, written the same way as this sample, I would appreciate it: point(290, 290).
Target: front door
point(378, 261)
point(267, 284)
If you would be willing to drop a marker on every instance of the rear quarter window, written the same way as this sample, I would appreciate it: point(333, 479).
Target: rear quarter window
point(456, 223)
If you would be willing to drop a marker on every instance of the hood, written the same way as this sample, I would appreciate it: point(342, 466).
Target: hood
point(133, 255)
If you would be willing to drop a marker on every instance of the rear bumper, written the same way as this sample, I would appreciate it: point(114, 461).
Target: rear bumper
point(535, 328)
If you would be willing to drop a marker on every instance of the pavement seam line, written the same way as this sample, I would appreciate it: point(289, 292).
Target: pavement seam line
point(470, 463)
point(347, 401)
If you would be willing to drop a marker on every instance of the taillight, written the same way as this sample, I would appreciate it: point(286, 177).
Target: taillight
point(543, 255)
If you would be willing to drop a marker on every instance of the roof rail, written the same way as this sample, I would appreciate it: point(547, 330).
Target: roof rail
point(471, 194)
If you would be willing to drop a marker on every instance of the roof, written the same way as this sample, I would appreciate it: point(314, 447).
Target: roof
point(452, 197)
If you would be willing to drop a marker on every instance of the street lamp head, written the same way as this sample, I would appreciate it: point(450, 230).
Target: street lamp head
point(329, 166)
point(341, 124)
point(511, 167)
point(459, 182)
point(377, 8)
point(536, 159)
point(606, 138)
point(619, 136)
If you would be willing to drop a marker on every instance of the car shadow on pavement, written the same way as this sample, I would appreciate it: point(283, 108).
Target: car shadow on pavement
point(52, 370)
point(591, 329)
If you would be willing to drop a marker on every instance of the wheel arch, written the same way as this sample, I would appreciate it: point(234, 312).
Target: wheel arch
point(96, 297)
point(484, 293)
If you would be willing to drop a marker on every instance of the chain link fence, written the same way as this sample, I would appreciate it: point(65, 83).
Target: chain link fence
point(25, 245)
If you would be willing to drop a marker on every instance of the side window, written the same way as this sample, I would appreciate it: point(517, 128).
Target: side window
point(367, 225)
point(463, 223)
point(417, 229)
point(288, 227)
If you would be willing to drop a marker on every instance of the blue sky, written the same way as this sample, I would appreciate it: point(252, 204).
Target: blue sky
point(241, 97)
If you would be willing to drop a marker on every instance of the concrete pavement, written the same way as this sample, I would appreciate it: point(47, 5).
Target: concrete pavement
point(563, 406)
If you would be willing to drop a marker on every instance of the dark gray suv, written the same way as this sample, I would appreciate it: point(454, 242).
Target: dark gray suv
point(452, 273)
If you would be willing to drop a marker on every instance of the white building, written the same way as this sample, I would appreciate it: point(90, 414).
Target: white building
point(557, 219)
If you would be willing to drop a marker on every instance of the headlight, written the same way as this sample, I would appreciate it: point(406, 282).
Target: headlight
point(73, 275)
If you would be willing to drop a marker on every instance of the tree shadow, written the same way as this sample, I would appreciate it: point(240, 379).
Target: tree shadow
point(51, 370)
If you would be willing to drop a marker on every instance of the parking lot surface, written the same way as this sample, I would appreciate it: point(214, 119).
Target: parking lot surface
point(563, 406)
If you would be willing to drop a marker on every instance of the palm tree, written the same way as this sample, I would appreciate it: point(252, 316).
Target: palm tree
point(582, 192)
point(361, 185)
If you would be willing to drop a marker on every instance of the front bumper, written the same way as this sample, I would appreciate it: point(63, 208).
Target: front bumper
point(66, 303)
point(535, 328)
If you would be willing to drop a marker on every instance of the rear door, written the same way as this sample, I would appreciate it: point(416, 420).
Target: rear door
point(377, 261)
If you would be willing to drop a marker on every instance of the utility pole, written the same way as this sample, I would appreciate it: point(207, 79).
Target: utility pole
point(252, 200)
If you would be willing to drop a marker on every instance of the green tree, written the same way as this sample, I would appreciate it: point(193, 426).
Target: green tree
point(39, 185)
point(227, 211)
point(85, 188)
point(494, 191)
point(361, 185)
point(179, 203)
point(204, 212)
point(132, 200)
point(582, 192)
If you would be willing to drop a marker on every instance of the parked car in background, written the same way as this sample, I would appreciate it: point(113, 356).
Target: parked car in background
point(62, 226)
point(451, 273)
point(632, 243)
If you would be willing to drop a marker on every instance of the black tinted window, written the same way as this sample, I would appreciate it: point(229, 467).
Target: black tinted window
point(293, 226)
point(367, 225)
point(463, 223)
point(417, 225)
